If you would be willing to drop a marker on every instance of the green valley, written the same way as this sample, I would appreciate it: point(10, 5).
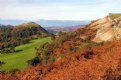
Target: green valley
point(25, 52)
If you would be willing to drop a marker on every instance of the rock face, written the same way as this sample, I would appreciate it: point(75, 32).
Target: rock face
point(108, 28)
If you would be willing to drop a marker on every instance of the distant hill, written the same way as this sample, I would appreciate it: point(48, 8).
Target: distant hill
point(12, 36)
point(29, 29)
point(26, 30)
point(31, 25)
point(45, 23)
point(56, 29)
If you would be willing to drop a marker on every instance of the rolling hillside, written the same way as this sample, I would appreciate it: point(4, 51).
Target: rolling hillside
point(18, 59)
point(92, 52)
point(10, 36)
point(17, 44)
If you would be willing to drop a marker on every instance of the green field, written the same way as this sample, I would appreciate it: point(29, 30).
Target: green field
point(18, 60)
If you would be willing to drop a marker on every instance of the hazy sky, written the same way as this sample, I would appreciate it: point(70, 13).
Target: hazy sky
point(58, 9)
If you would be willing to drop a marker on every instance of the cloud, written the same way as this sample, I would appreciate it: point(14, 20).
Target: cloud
point(57, 9)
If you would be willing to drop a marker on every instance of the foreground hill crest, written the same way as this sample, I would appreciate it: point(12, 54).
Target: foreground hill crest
point(107, 28)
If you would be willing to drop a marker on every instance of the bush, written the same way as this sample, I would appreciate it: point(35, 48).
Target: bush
point(53, 37)
point(7, 50)
point(71, 34)
point(88, 55)
point(34, 61)
point(1, 63)
point(14, 71)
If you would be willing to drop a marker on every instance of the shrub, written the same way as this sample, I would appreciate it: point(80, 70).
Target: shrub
point(34, 61)
point(53, 37)
point(7, 50)
point(1, 63)
point(14, 71)
point(88, 55)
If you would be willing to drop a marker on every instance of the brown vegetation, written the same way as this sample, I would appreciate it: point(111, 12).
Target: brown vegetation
point(73, 56)
point(101, 62)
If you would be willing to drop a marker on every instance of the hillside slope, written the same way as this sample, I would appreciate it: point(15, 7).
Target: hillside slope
point(108, 28)
point(32, 26)
point(23, 53)
point(101, 62)
point(76, 56)
point(12, 36)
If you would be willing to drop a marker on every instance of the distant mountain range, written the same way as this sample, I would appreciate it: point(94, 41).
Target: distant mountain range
point(61, 23)
point(56, 29)
point(45, 23)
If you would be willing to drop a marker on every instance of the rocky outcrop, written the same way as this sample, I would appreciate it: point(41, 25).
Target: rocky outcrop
point(108, 29)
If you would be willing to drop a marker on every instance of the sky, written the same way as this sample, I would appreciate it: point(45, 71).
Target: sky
point(58, 9)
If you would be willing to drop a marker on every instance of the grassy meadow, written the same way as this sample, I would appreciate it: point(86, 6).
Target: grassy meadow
point(18, 60)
